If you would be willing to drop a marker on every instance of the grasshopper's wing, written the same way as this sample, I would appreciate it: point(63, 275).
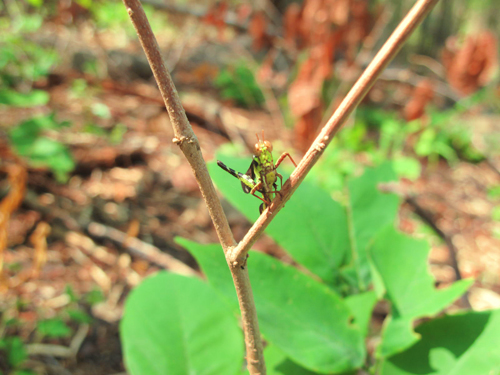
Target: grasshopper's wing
point(251, 174)
point(246, 181)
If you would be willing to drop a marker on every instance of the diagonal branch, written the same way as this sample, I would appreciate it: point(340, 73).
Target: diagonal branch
point(188, 143)
point(352, 99)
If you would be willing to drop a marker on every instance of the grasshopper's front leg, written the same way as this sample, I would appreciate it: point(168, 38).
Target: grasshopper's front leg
point(282, 157)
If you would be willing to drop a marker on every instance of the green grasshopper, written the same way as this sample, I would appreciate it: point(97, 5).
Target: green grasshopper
point(262, 174)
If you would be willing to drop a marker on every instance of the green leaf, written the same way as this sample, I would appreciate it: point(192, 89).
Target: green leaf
point(30, 99)
point(79, 316)
point(361, 305)
point(495, 213)
point(36, 3)
point(369, 212)
point(178, 325)
point(53, 328)
point(458, 344)
point(16, 351)
point(402, 264)
point(494, 192)
point(409, 168)
point(101, 110)
point(28, 141)
point(304, 318)
point(117, 133)
point(94, 296)
point(424, 146)
point(277, 363)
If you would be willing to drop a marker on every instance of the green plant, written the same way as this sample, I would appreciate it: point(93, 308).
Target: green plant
point(446, 137)
point(31, 141)
point(315, 320)
point(238, 83)
point(13, 353)
point(23, 60)
point(53, 328)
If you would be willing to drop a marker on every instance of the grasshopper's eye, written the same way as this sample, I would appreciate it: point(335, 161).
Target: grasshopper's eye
point(257, 149)
point(268, 145)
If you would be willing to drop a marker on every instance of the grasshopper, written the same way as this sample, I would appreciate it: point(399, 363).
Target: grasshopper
point(262, 175)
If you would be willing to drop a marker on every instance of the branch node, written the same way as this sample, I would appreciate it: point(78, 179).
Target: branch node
point(320, 146)
point(178, 141)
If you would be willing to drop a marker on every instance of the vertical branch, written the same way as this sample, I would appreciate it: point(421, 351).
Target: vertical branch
point(188, 143)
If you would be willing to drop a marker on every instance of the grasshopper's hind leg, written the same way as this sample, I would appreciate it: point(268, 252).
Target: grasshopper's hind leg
point(256, 188)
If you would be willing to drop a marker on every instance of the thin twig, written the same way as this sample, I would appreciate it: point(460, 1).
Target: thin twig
point(188, 143)
point(60, 350)
point(142, 249)
point(353, 98)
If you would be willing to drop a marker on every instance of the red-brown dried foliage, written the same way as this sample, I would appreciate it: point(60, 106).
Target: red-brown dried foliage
point(470, 66)
point(325, 28)
point(421, 96)
point(257, 29)
point(216, 17)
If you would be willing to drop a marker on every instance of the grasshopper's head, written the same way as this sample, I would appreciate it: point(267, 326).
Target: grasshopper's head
point(262, 145)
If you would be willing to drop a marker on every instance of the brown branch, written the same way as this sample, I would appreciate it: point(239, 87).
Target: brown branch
point(141, 249)
point(188, 143)
point(353, 98)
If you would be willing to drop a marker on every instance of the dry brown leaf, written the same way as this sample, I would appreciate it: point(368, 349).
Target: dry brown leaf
point(291, 22)
point(258, 30)
point(470, 66)
point(421, 96)
point(216, 17)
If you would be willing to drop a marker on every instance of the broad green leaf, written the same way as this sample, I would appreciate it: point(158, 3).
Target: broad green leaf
point(304, 318)
point(461, 344)
point(213, 263)
point(361, 305)
point(402, 265)
point(178, 325)
point(369, 211)
point(277, 363)
point(30, 99)
point(312, 227)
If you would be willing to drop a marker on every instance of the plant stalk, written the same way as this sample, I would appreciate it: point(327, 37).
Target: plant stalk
point(188, 143)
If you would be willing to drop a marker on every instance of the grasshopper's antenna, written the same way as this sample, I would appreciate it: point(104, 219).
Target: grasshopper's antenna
point(257, 135)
